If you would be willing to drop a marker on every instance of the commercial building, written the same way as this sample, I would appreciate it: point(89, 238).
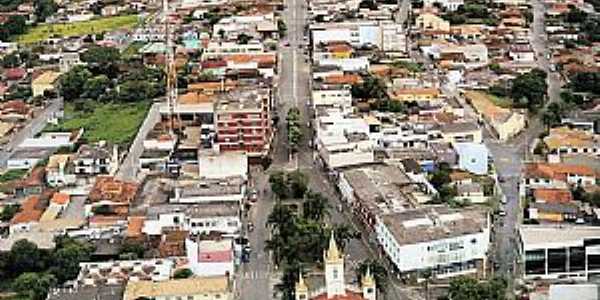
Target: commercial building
point(448, 242)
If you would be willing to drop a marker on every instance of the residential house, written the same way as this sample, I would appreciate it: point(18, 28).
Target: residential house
point(560, 175)
point(553, 212)
point(506, 122)
point(94, 160)
point(29, 214)
point(333, 95)
point(33, 184)
point(461, 132)
point(44, 82)
point(124, 271)
point(429, 21)
point(59, 170)
point(415, 94)
point(564, 141)
point(110, 196)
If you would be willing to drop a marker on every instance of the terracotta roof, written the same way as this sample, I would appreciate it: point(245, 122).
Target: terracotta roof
point(109, 188)
point(211, 85)
point(135, 225)
point(30, 211)
point(17, 106)
point(36, 178)
point(177, 287)
point(60, 198)
point(343, 79)
point(553, 195)
point(261, 59)
point(215, 256)
point(556, 171)
point(417, 91)
point(15, 73)
point(46, 78)
point(194, 98)
point(350, 295)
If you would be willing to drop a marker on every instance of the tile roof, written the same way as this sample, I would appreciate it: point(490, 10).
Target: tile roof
point(46, 78)
point(556, 171)
point(135, 225)
point(553, 195)
point(179, 287)
point(15, 73)
point(343, 79)
point(31, 211)
point(111, 189)
point(60, 198)
point(566, 137)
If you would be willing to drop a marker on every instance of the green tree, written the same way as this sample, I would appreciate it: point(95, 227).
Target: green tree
point(24, 256)
point(380, 274)
point(243, 38)
point(34, 286)
point(9, 211)
point(278, 184)
point(67, 256)
point(575, 15)
point(343, 234)
point(44, 9)
point(530, 88)
point(371, 88)
point(183, 273)
point(289, 278)
point(467, 288)
point(11, 60)
point(95, 87)
point(315, 206)
point(14, 25)
point(298, 184)
point(71, 83)
point(102, 60)
point(132, 249)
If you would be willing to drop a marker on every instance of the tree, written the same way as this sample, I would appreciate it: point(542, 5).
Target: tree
point(467, 288)
point(34, 286)
point(315, 206)
point(575, 15)
point(24, 256)
point(369, 4)
point(67, 256)
point(11, 60)
point(243, 38)
point(298, 184)
point(289, 278)
point(281, 28)
point(133, 249)
point(95, 87)
point(183, 273)
point(44, 9)
point(530, 88)
point(293, 128)
point(71, 83)
point(380, 274)
point(586, 82)
point(343, 234)
point(9, 211)
point(278, 184)
point(371, 88)
point(102, 60)
point(14, 25)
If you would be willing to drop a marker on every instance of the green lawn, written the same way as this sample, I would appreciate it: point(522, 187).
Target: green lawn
point(42, 32)
point(504, 102)
point(11, 175)
point(112, 122)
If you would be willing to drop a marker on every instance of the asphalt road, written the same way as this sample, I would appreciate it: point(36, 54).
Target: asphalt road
point(33, 127)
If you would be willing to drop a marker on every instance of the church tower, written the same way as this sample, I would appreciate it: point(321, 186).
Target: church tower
point(334, 270)
point(369, 289)
point(301, 289)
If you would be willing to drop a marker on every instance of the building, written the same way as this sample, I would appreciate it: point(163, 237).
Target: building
point(552, 252)
point(94, 160)
point(207, 288)
point(29, 215)
point(122, 271)
point(335, 286)
point(472, 157)
point(332, 95)
point(460, 132)
point(448, 242)
point(564, 141)
point(448, 5)
point(44, 82)
point(210, 257)
point(104, 292)
point(505, 122)
point(429, 21)
point(110, 196)
point(59, 171)
point(243, 122)
point(560, 175)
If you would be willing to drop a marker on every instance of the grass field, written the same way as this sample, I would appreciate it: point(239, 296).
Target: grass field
point(504, 102)
point(12, 175)
point(42, 32)
point(113, 122)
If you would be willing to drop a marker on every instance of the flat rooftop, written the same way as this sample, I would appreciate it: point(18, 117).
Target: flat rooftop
point(242, 100)
point(203, 210)
point(549, 236)
point(434, 223)
point(211, 187)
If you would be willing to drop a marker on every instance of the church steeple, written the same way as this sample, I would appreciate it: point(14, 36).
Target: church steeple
point(301, 288)
point(334, 269)
point(368, 286)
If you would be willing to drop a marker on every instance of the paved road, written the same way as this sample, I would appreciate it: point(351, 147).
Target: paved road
point(33, 127)
point(129, 168)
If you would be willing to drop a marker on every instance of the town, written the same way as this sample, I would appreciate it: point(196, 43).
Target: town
point(299, 149)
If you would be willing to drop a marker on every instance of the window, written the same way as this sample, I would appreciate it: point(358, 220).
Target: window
point(335, 273)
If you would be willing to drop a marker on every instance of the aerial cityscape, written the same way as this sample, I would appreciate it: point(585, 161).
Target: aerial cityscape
point(299, 149)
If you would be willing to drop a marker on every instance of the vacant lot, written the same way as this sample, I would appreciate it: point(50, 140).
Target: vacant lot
point(43, 32)
point(112, 122)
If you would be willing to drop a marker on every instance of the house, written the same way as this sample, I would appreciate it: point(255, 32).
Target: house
point(472, 157)
point(471, 193)
point(68, 60)
point(560, 175)
point(461, 132)
point(94, 160)
point(210, 257)
point(33, 184)
point(343, 150)
point(205, 288)
point(110, 196)
point(553, 212)
point(332, 95)
point(335, 285)
point(564, 141)
point(52, 140)
point(29, 214)
point(521, 53)
point(44, 82)
point(551, 195)
point(223, 165)
point(429, 21)
point(14, 74)
point(59, 170)
point(415, 94)
point(552, 252)
point(103, 292)
point(205, 190)
point(505, 122)
point(448, 242)
point(27, 158)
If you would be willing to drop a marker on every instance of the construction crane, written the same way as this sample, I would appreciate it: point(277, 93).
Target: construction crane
point(170, 69)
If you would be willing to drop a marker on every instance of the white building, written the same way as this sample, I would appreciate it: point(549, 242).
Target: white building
point(120, 272)
point(210, 258)
point(449, 5)
point(448, 242)
point(197, 219)
point(332, 96)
